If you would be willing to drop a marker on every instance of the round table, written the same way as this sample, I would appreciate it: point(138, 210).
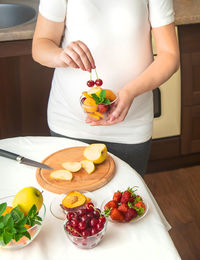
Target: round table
point(145, 239)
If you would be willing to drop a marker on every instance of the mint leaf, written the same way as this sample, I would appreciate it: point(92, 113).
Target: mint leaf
point(102, 94)
point(12, 224)
point(106, 101)
point(32, 211)
point(26, 234)
point(17, 214)
point(2, 208)
point(7, 237)
point(96, 98)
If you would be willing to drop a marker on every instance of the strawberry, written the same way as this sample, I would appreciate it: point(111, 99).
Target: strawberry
point(102, 108)
point(125, 197)
point(117, 196)
point(111, 204)
point(116, 215)
point(140, 204)
point(130, 214)
point(123, 208)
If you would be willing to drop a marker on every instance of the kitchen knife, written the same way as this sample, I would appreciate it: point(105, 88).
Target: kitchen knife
point(23, 160)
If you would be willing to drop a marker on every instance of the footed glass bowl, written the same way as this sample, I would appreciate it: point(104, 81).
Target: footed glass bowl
point(33, 231)
point(86, 242)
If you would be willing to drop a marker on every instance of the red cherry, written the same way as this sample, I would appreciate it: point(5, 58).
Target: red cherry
point(70, 215)
point(83, 99)
point(93, 222)
point(89, 206)
point(99, 82)
point(94, 231)
point(74, 222)
point(90, 83)
point(85, 233)
point(96, 213)
point(100, 226)
point(102, 220)
point(68, 226)
point(82, 225)
point(81, 212)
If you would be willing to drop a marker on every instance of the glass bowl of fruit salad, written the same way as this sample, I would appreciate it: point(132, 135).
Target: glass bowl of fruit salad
point(12, 220)
point(97, 103)
point(85, 227)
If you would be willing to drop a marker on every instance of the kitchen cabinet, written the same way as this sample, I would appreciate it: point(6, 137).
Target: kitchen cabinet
point(24, 92)
point(190, 67)
point(183, 150)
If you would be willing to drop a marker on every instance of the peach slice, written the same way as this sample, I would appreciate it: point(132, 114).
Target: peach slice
point(89, 105)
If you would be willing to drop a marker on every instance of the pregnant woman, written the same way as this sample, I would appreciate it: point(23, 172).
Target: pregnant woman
point(113, 36)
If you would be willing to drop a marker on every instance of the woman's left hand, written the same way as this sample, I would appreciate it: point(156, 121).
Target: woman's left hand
point(118, 112)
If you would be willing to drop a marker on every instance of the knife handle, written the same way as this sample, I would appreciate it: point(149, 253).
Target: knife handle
point(10, 155)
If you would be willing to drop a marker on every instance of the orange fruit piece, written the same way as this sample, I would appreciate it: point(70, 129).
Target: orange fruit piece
point(110, 94)
point(89, 105)
point(86, 94)
point(93, 116)
point(27, 226)
point(7, 210)
point(99, 114)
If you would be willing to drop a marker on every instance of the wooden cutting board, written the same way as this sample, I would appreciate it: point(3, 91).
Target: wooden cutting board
point(81, 180)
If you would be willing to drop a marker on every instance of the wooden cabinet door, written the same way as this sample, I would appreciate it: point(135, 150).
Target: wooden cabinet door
point(190, 138)
point(190, 75)
point(25, 87)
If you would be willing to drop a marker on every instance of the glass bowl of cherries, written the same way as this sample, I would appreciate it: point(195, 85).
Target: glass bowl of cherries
point(97, 102)
point(85, 227)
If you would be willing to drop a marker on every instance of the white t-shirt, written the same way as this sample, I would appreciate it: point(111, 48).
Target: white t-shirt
point(118, 34)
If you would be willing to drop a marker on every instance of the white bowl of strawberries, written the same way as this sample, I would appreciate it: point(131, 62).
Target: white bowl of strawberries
point(125, 206)
point(85, 227)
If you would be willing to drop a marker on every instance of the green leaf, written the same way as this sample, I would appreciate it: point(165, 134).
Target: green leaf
point(102, 94)
point(17, 236)
point(17, 214)
point(130, 205)
point(95, 97)
point(2, 207)
point(1, 225)
point(26, 234)
point(32, 211)
point(140, 210)
point(21, 229)
point(7, 237)
point(6, 219)
point(106, 101)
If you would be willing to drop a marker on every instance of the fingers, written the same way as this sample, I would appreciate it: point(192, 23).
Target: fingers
point(77, 55)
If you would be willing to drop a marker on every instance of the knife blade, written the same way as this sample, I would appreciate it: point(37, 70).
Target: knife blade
point(23, 160)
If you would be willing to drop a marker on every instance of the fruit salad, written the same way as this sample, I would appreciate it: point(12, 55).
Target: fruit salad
point(125, 206)
point(86, 226)
point(97, 101)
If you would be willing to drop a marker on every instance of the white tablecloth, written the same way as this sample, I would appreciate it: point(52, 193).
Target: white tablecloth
point(145, 239)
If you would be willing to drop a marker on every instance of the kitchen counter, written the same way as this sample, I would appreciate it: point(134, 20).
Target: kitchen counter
point(20, 32)
point(186, 12)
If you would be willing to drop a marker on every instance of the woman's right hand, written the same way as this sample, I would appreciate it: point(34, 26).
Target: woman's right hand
point(77, 55)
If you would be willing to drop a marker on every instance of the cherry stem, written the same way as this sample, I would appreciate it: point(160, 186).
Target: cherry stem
point(96, 73)
point(73, 229)
point(91, 75)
